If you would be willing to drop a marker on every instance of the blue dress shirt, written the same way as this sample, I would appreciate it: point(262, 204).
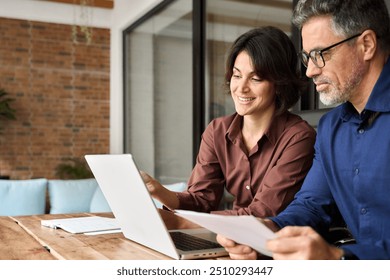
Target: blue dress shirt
point(351, 169)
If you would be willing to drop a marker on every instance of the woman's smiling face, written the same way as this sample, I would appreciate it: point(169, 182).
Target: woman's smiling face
point(252, 95)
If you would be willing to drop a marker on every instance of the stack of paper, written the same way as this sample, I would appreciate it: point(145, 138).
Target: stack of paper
point(90, 225)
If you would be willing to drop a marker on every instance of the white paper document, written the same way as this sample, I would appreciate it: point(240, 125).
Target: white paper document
point(245, 230)
point(90, 224)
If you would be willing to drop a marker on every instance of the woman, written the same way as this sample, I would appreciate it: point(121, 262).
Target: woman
point(261, 153)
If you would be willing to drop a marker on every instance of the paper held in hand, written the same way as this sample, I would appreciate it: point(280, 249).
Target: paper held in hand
point(245, 230)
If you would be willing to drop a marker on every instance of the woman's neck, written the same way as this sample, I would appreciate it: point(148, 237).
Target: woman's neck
point(254, 127)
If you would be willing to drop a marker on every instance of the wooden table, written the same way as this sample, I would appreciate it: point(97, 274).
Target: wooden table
point(23, 238)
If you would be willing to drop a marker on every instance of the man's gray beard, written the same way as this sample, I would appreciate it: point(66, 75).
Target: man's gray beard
point(341, 95)
point(333, 97)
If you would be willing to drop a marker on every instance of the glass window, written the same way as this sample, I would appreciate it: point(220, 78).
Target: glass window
point(158, 93)
point(226, 20)
point(174, 62)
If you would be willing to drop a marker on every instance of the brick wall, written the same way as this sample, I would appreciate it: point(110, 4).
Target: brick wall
point(62, 96)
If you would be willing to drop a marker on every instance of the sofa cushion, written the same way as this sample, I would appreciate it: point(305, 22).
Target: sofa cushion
point(99, 202)
point(71, 196)
point(22, 197)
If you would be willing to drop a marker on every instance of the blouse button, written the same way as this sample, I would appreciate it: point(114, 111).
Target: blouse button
point(248, 187)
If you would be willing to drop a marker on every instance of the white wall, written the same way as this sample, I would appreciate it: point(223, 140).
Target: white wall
point(46, 11)
point(125, 12)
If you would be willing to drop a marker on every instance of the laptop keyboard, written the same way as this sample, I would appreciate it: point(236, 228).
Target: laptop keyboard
point(187, 242)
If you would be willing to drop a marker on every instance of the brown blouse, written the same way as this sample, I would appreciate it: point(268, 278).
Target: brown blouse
point(264, 181)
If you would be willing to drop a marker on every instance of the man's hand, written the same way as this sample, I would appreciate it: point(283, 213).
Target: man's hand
point(292, 243)
point(242, 252)
point(237, 251)
point(302, 243)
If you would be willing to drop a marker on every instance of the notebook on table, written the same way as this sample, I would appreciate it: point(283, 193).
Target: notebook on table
point(87, 225)
point(137, 215)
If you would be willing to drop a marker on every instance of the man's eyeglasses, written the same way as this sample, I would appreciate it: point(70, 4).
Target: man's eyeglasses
point(316, 55)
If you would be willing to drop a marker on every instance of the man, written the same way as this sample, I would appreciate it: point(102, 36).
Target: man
point(346, 50)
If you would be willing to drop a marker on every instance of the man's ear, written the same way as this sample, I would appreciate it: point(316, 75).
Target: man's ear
point(369, 44)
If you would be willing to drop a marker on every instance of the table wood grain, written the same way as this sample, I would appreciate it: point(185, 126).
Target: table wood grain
point(62, 245)
point(17, 244)
point(23, 238)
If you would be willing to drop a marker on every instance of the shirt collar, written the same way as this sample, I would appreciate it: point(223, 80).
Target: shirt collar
point(379, 100)
point(276, 127)
point(273, 132)
point(234, 130)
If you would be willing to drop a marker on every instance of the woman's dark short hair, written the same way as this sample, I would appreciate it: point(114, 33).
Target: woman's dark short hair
point(274, 59)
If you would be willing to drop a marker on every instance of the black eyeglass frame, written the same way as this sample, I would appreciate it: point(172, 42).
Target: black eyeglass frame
point(313, 55)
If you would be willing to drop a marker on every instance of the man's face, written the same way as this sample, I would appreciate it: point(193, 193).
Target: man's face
point(338, 80)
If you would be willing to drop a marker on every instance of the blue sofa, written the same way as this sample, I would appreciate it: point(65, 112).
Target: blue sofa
point(42, 196)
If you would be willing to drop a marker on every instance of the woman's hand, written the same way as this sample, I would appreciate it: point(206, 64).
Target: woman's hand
point(159, 192)
point(152, 184)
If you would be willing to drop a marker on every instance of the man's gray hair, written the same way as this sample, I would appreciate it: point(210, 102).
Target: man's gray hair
point(349, 17)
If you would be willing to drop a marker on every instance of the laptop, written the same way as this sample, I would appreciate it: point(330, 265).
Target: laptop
point(137, 215)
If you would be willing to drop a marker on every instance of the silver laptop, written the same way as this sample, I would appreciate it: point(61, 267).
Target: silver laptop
point(137, 215)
